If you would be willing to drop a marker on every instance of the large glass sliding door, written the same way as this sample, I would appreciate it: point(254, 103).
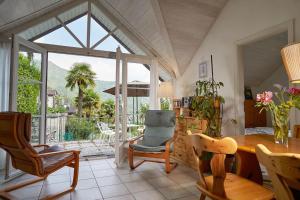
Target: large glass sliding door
point(28, 86)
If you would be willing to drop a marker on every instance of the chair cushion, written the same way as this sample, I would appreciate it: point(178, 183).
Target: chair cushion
point(237, 187)
point(53, 162)
point(160, 118)
point(139, 147)
point(157, 136)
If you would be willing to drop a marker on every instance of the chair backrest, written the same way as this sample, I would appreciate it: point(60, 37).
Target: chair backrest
point(15, 133)
point(219, 147)
point(283, 169)
point(159, 127)
point(296, 131)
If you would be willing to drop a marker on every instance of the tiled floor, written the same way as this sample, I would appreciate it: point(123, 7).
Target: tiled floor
point(100, 179)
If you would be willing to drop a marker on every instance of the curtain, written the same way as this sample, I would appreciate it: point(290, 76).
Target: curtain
point(5, 53)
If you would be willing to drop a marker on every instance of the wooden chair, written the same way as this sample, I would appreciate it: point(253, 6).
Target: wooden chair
point(296, 133)
point(15, 134)
point(221, 185)
point(283, 169)
point(156, 140)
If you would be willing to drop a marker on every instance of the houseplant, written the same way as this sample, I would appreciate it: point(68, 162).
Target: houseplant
point(286, 99)
point(206, 105)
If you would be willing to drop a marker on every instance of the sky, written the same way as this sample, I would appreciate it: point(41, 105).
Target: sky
point(104, 68)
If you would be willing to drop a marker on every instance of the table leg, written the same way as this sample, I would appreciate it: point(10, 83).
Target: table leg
point(248, 166)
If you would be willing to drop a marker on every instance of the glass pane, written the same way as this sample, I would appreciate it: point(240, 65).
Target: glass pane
point(138, 88)
point(111, 44)
point(97, 32)
point(59, 37)
point(29, 88)
point(79, 28)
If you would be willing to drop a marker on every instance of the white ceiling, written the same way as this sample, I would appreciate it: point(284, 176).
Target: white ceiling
point(262, 58)
point(173, 29)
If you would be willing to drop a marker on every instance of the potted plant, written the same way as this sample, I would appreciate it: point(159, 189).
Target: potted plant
point(206, 105)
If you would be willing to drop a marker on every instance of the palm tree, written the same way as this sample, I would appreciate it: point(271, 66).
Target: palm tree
point(91, 102)
point(81, 76)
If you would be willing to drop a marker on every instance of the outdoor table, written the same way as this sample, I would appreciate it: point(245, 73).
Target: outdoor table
point(247, 163)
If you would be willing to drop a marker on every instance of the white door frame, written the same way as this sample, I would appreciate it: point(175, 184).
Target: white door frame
point(239, 76)
point(120, 149)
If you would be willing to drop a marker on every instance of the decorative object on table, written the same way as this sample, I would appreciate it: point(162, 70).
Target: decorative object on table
point(291, 60)
point(248, 93)
point(206, 104)
point(287, 99)
point(203, 69)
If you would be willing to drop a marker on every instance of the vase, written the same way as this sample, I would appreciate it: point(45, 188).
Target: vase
point(281, 129)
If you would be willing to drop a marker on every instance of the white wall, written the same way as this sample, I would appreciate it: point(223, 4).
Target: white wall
point(239, 20)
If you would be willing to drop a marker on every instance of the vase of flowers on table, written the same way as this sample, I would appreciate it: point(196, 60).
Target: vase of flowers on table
point(286, 99)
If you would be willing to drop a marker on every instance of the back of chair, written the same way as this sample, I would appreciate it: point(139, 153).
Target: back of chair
point(297, 131)
point(283, 169)
point(15, 133)
point(159, 127)
point(219, 147)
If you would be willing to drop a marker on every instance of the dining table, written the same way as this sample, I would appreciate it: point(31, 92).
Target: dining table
point(247, 163)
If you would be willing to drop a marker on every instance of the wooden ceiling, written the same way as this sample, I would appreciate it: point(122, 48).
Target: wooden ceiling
point(173, 29)
point(187, 23)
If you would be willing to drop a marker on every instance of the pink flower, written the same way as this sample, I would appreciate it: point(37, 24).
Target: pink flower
point(265, 97)
point(294, 91)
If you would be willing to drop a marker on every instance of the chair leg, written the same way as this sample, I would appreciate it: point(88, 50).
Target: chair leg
point(167, 164)
point(130, 158)
point(202, 197)
point(76, 172)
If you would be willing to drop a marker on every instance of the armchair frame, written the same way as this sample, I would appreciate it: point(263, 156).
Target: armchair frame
point(13, 127)
point(165, 155)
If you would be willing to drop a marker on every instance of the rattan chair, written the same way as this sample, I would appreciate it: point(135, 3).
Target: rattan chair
point(15, 134)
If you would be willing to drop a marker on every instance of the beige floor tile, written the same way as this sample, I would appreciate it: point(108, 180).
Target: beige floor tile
point(85, 175)
point(86, 184)
point(104, 173)
point(182, 178)
point(109, 180)
point(193, 197)
point(114, 190)
point(138, 186)
point(100, 166)
point(149, 195)
point(161, 182)
point(28, 192)
point(130, 177)
point(125, 197)
point(52, 189)
point(151, 173)
point(174, 192)
point(87, 194)
point(57, 179)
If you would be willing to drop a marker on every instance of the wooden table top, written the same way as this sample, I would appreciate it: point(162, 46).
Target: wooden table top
point(249, 142)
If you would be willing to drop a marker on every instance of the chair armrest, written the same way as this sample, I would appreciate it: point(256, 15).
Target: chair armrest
point(135, 139)
point(168, 144)
point(41, 145)
point(58, 153)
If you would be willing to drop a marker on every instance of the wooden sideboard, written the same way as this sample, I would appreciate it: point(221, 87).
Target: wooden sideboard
point(183, 152)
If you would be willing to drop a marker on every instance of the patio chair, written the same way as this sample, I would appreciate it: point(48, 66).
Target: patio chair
point(15, 134)
point(297, 131)
point(156, 140)
point(283, 169)
point(106, 132)
point(222, 185)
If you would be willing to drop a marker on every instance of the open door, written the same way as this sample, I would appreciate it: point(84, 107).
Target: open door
point(28, 87)
point(124, 116)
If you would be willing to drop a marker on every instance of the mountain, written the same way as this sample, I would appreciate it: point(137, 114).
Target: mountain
point(56, 80)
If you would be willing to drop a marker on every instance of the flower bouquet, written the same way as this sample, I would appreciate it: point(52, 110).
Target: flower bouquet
point(286, 99)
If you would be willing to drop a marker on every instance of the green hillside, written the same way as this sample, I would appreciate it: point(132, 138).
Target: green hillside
point(56, 80)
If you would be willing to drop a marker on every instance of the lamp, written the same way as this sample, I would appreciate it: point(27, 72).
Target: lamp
point(165, 90)
point(291, 60)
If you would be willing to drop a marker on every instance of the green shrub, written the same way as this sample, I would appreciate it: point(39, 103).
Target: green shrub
point(81, 128)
